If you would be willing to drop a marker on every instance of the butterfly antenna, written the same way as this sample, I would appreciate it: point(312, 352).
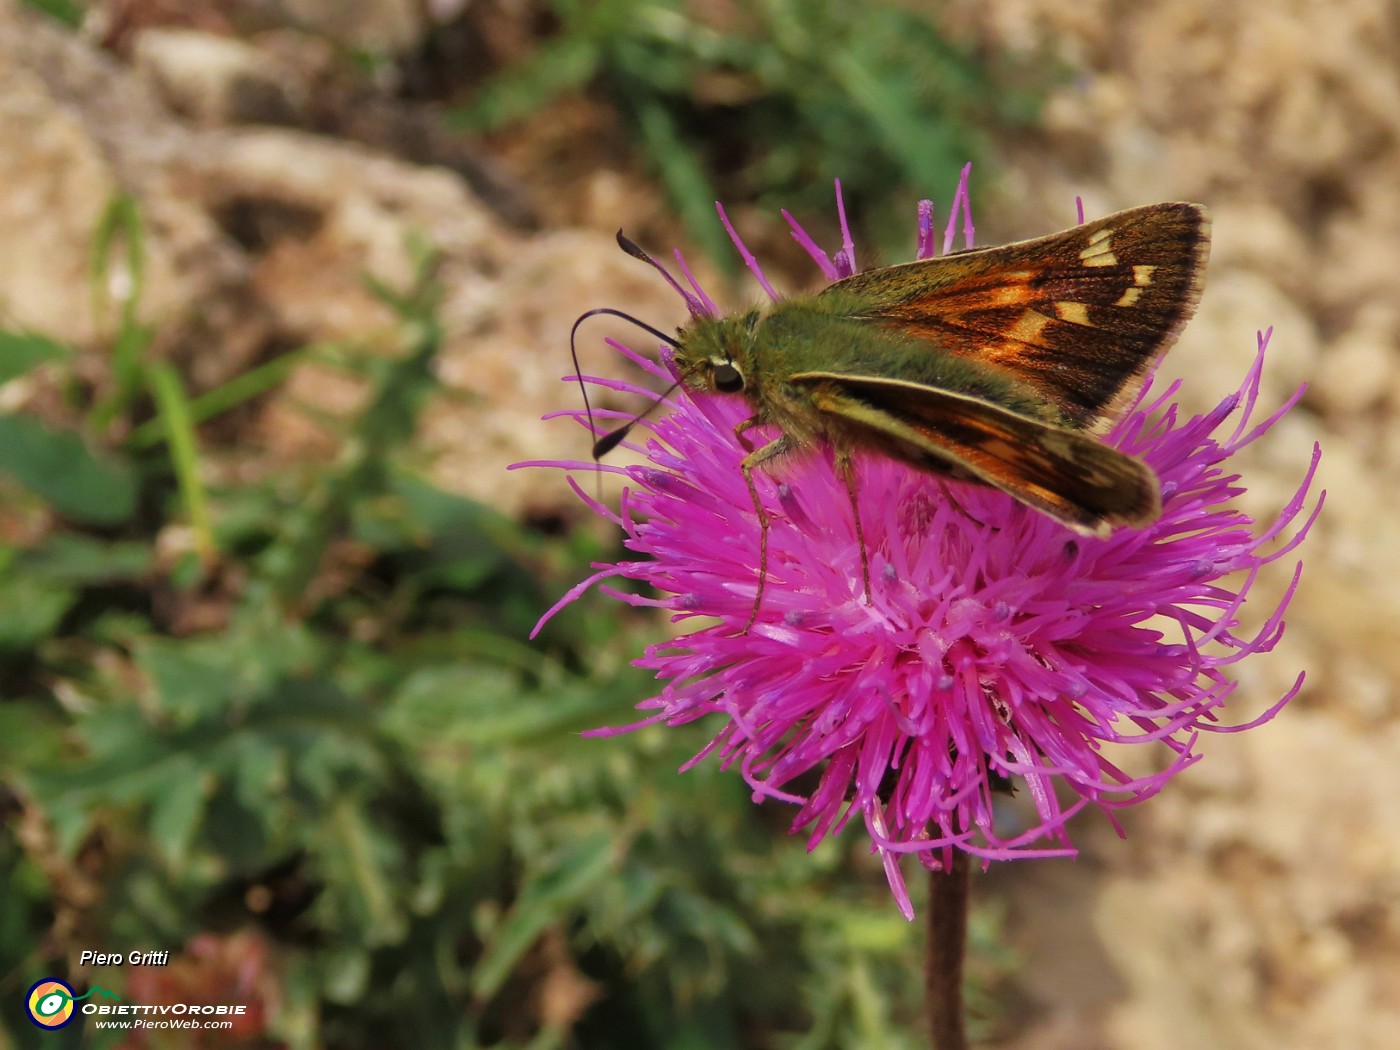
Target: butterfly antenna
point(632, 248)
point(612, 439)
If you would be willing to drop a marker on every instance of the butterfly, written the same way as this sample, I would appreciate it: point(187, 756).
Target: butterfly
point(997, 366)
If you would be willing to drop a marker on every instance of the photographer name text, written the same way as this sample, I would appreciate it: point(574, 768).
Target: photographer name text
point(130, 958)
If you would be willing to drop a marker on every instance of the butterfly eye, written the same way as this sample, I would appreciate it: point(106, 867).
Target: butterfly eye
point(728, 379)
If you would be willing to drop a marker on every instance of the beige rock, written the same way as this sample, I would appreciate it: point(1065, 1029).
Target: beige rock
point(261, 238)
point(1358, 371)
point(1218, 346)
point(1219, 928)
point(514, 357)
point(378, 25)
point(316, 215)
point(1259, 236)
point(214, 79)
point(55, 190)
point(91, 131)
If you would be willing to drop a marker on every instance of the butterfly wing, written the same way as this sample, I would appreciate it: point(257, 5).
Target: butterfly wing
point(1080, 316)
point(1068, 475)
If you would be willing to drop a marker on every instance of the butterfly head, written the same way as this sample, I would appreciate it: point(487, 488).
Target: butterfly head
point(713, 353)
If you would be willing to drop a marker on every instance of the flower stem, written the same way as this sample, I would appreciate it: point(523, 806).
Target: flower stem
point(943, 957)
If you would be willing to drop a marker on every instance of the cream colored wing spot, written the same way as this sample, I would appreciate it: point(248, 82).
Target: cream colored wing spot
point(1099, 250)
point(1105, 259)
point(1142, 275)
point(1028, 327)
point(1011, 294)
point(1075, 313)
point(1129, 297)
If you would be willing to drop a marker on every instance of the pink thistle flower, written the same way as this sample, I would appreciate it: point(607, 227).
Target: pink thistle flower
point(997, 645)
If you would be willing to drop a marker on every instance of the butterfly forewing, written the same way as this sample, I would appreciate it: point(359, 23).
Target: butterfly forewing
point(1081, 315)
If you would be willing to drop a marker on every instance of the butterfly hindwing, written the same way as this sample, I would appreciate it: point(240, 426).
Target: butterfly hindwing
point(1070, 476)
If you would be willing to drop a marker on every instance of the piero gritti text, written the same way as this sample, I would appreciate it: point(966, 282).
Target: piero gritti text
point(133, 958)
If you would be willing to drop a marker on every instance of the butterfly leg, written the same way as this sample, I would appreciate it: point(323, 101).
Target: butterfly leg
point(756, 458)
point(951, 498)
point(747, 424)
point(846, 468)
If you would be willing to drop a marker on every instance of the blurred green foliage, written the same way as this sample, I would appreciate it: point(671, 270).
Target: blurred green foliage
point(69, 12)
point(770, 110)
point(351, 773)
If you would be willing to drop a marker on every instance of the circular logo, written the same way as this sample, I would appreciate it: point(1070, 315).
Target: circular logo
point(50, 1003)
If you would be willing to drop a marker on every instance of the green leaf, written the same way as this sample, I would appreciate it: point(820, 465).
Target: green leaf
point(174, 409)
point(679, 166)
point(30, 735)
point(566, 64)
point(58, 466)
point(191, 680)
point(30, 609)
point(121, 227)
point(346, 974)
point(482, 707)
point(564, 887)
point(175, 816)
point(69, 557)
point(69, 12)
point(362, 866)
point(21, 351)
point(445, 514)
point(241, 388)
point(260, 773)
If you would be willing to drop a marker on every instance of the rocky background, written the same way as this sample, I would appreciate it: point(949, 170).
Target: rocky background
point(1253, 903)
